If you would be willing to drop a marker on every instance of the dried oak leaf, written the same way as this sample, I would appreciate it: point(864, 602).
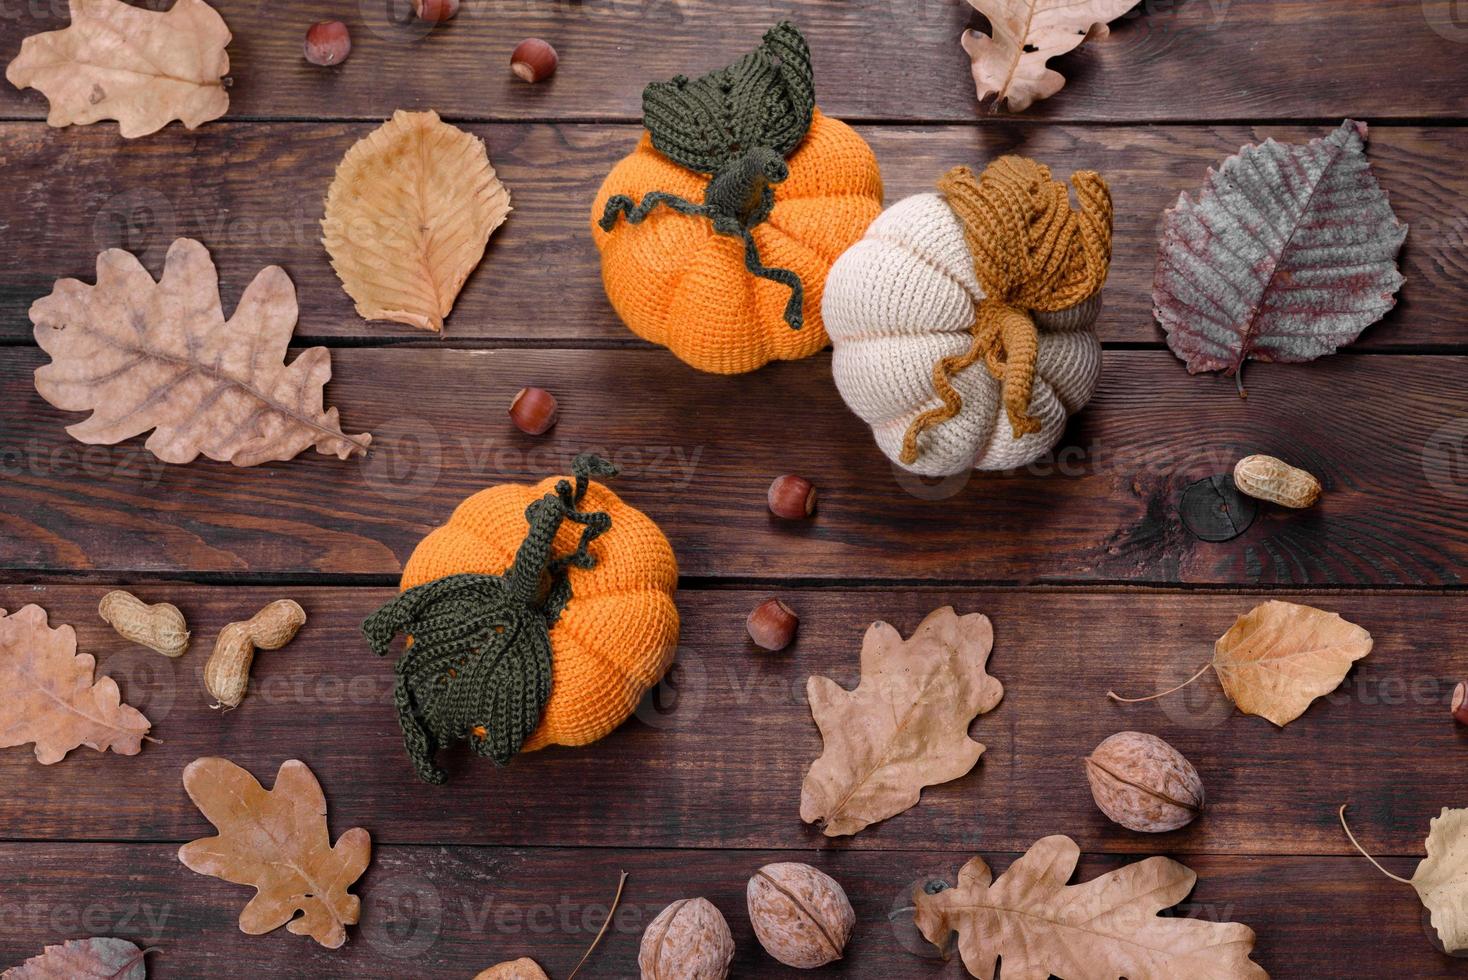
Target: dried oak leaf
point(1010, 66)
point(408, 217)
point(143, 355)
point(1279, 656)
point(138, 66)
point(84, 959)
point(1287, 253)
point(906, 724)
point(522, 969)
point(50, 696)
point(277, 840)
point(1441, 878)
point(1101, 929)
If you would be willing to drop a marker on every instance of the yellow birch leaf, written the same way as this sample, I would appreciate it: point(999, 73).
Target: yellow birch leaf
point(1280, 656)
point(1277, 658)
point(408, 217)
point(1441, 878)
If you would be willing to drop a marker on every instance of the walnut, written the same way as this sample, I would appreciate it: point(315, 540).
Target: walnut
point(1143, 783)
point(800, 915)
point(689, 940)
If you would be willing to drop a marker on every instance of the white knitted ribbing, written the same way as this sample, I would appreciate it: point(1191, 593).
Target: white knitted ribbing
point(904, 297)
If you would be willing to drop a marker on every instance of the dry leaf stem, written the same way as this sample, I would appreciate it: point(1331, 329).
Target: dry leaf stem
point(1304, 652)
point(1357, 845)
point(1161, 694)
point(616, 900)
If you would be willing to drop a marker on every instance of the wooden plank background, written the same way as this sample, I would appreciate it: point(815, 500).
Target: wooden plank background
point(263, 207)
point(1080, 561)
point(700, 451)
point(1168, 60)
point(662, 777)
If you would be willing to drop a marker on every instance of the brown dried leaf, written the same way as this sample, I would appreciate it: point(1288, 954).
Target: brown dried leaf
point(906, 724)
point(50, 698)
point(1280, 656)
point(277, 840)
point(522, 969)
point(1098, 930)
point(143, 355)
point(408, 217)
point(1441, 878)
point(84, 959)
point(138, 66)
point(1027, 33)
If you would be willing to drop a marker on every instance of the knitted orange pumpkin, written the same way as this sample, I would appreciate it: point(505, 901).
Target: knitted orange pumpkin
point(737, 200)
point(538, 615)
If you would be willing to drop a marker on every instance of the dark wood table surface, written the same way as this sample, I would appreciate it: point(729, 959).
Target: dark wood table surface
point(1087, 574)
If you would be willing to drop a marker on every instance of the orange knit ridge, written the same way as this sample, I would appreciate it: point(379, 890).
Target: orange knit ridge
point(676, 282)
point(617, 635)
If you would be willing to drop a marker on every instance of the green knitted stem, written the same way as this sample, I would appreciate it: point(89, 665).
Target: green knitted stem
point(478, 664)
point(738, 125)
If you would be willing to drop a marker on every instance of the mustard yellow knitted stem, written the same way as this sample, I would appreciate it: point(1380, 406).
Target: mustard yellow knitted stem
point(1031, 251)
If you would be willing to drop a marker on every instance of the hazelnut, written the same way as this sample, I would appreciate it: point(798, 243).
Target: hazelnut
point(534, 60)
point(328, 43)
point(534, 411)
point(801, 916)
point(771, 625)
point(1460, 703)
point(689, 940)
point(1144, 784)
point(435, 11)
point(792, 497)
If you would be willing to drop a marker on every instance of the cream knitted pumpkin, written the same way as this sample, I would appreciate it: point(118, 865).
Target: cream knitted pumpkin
point(960, 308)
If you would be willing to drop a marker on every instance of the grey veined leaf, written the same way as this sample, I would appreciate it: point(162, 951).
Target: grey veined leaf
point(1286, 253)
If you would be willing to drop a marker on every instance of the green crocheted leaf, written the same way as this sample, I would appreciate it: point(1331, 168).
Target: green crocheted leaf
point(478, 665)
point(478, 669)
point(765, 99)
point(508, 684)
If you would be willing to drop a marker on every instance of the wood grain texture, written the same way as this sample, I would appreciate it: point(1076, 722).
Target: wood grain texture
point(702, 786)
point(699, 451)
point(253, 192)
point(1167, 60)
point(449, 912)
point(716, 756)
